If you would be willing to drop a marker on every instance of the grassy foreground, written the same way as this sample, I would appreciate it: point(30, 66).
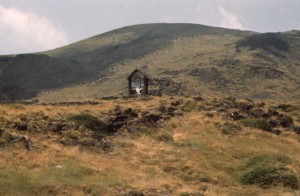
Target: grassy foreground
point(160, 146)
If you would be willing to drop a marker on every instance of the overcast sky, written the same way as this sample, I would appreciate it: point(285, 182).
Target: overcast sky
point(36, 25)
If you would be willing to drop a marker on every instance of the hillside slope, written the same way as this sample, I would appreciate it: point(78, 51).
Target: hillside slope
point(150, 146)
point(184, 59)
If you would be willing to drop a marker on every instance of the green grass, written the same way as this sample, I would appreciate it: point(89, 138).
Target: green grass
point(90, 122)
point(51, 180)
point(230, 129)
point(257, 123)
point(267, 170)
point(165, 137)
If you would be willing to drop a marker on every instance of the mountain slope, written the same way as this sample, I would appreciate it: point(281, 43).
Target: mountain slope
point(157, 146)
point(181, 59)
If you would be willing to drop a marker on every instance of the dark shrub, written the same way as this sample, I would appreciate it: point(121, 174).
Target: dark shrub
point(261, 175)
point(90, 122)
point(257, 123)
point(270, 170)
point(269, 175)
point(285, 120)
point(286, 107)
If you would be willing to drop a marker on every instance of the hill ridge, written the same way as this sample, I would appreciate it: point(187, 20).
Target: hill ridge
point(204, 58)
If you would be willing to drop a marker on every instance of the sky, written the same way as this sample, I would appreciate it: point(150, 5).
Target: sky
point(38, 25)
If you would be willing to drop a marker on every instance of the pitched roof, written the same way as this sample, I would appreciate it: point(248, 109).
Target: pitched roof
point(137, 70)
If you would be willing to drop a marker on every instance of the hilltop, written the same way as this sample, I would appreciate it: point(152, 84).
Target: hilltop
point(183, 59)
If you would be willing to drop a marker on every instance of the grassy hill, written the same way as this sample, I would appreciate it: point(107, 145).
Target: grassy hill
point(184, 59)
point(151, 146)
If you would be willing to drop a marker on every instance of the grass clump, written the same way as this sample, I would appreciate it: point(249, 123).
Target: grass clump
point(266, 175)
point(6, 135)
point(257, 123)
point(189, 106)
point(261, 175)
point(230, 129)
point(286, 107)
point(71, 137)
point(169, 169)
point(266, 170)
point(165, 137)
point(90, 122)
point(278, 160)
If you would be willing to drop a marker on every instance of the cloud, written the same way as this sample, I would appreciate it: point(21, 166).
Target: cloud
point(28, 32)
point(229, 20)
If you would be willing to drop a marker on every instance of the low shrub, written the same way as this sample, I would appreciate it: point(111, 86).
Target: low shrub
point(230, 128)
point(268, 170)
point(90, 122)
point(7, 136)
point(169, 169)
point(261, 175)
point(189, 106)
point(278, 160)
point(87, 142)
point(2, 142)
point(271, 176)
point(286, 107)
point(72, 134)
point(257, 123)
